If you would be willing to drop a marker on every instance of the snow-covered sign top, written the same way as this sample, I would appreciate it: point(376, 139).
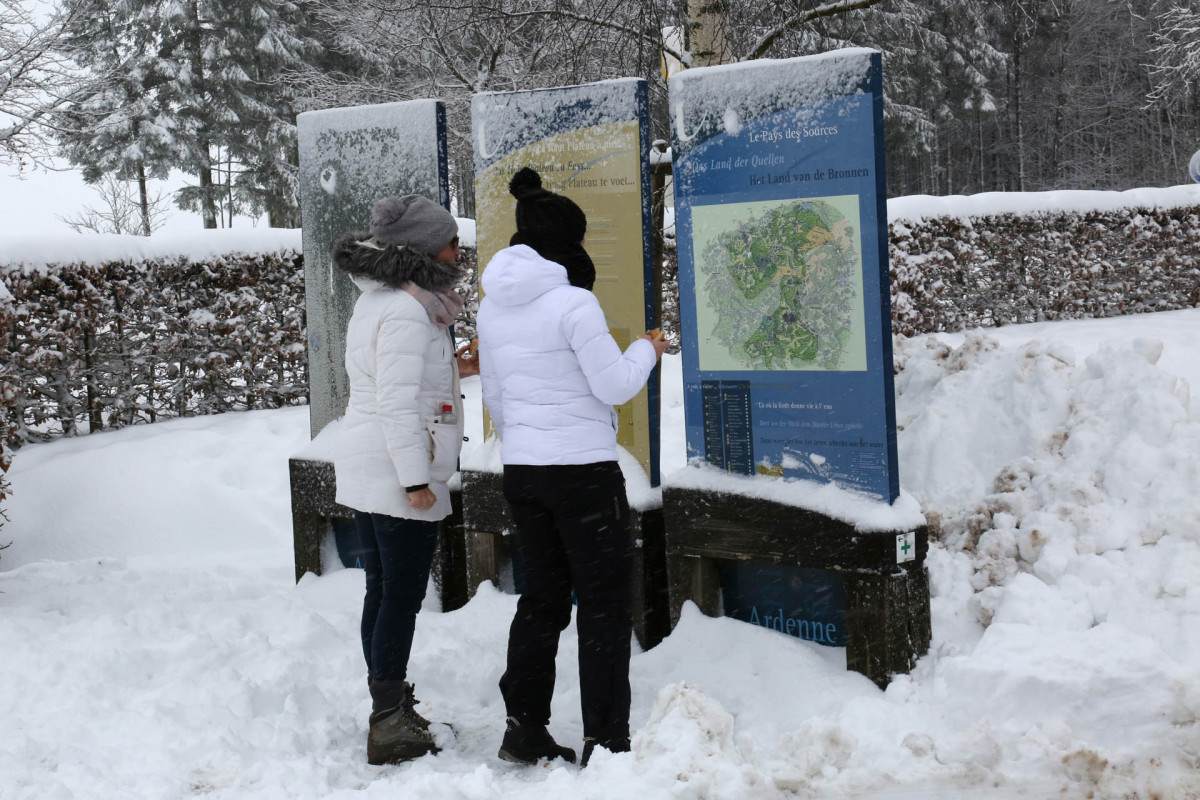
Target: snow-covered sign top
point(725, 97)
point(502, 123)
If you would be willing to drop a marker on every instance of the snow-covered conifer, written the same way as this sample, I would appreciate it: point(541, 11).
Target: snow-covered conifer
point(118, 128)
point(232, 110)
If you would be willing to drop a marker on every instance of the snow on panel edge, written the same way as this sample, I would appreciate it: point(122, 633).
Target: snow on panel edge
point(865, 513)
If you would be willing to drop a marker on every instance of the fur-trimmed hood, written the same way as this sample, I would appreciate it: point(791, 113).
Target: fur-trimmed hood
point(360, 254)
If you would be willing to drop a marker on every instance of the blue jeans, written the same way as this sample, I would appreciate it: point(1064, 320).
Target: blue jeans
point(397, 557)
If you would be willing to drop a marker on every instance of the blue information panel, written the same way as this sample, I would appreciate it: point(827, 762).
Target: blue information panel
point(806, 603)
point(783, 276)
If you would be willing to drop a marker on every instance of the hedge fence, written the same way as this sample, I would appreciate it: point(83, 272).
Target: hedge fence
point(950, 274)
point(97, 346)
point(89, 346)
point(8, 395)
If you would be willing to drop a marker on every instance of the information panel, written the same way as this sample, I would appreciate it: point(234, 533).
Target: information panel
point(809, 604)
point(591, 144)
point(349, 158)
point(783, 278)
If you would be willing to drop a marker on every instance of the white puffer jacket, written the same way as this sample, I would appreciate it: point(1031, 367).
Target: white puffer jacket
point(550, 370)
point(395, 433)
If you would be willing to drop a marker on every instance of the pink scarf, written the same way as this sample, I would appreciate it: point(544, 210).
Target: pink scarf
point(443, 307)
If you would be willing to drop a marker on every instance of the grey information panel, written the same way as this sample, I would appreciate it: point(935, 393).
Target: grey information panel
point(350, 157)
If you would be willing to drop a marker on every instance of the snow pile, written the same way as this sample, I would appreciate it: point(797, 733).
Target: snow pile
point(1065, 494)
point(692, 735)
point(1068, 460)
point(153, 489)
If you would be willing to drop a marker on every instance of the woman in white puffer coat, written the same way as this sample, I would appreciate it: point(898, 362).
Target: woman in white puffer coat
point(551, 373)
point(399, 441)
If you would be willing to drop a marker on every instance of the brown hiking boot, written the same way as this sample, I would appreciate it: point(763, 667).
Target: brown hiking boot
point(398, 732)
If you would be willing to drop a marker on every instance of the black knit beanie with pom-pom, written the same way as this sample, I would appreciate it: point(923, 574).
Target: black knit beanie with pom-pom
point(552, 225)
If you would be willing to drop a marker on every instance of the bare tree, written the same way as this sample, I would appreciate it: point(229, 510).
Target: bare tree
point(35, 79)
point(122, 212)
point(392, 50)
point(1176, 54)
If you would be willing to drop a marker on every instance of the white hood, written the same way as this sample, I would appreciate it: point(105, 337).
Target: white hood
point(551, 370)
point(518, 275)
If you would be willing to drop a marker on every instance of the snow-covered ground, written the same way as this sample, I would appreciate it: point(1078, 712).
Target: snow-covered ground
point(153, 643)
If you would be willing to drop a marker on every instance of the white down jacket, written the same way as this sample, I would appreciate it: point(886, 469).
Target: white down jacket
point(550, 370)
point(397, 431)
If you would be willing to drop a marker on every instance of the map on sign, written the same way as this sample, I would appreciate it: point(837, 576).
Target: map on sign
point(779, 285)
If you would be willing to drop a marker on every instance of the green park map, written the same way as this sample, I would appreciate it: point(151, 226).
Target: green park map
point(779, 285)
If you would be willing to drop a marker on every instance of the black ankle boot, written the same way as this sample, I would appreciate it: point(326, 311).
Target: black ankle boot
point(617, 744)
point(526, 743)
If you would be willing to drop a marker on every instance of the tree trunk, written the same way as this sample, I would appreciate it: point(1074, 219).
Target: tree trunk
point(706, 32)
point(229, 187)
point(982, 159)
point(204, 169)
point(143, 199)
point(95, 416)
point(208, 209)
point(1018, 122)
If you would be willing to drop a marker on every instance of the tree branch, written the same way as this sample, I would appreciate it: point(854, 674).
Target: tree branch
point(561, 13)
point(828, 10)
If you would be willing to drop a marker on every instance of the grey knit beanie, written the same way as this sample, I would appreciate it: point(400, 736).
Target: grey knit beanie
point(413, 220)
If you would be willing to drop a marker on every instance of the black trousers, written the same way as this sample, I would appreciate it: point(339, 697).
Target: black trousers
point(573, 532)
point(397, 557)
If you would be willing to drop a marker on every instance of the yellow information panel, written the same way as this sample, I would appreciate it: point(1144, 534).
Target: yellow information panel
point(594, 153)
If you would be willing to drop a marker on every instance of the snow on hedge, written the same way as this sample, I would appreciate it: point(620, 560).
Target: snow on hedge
point(95, 249)
point(101, 248)
point(985, 204)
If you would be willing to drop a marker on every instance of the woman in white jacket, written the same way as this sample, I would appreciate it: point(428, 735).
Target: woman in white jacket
point(551, 373)
point(399, 440)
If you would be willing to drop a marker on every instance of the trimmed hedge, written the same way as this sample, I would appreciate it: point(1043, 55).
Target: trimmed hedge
point(8, 395)
point(950, 274)
point(109, 345)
